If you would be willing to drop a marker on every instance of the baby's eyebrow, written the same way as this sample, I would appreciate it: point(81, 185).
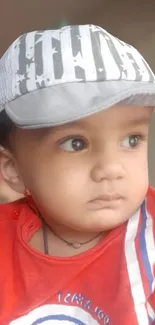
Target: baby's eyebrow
point(56, 130)
point(145, 120)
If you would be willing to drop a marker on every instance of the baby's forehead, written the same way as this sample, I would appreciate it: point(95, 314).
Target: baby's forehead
point(115, 117)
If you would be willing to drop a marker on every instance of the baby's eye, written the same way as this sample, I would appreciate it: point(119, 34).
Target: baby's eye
point(73, 144)
point(131, 141)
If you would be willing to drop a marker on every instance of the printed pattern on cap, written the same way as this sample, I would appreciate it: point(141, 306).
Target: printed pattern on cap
point(71, 54)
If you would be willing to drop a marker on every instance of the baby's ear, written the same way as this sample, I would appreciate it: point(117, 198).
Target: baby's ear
point(9, 170)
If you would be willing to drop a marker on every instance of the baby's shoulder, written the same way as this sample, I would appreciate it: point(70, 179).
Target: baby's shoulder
point(150, 200)
point(150, 209)
point(11, 213)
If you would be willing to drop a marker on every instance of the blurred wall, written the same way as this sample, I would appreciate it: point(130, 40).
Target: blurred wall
point(133, 21)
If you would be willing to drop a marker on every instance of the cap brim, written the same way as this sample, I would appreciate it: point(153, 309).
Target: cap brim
point(69, 102)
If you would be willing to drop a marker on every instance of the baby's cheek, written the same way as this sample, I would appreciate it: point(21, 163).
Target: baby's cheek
point(139, 163)
point(143, 169)
point(141, 172)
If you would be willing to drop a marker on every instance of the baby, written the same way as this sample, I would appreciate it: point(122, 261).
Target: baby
point(76, 105)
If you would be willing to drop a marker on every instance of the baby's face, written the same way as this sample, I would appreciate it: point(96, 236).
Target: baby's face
point(91, 174)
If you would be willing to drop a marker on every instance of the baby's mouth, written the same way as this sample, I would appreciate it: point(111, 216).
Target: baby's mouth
point(106, 201)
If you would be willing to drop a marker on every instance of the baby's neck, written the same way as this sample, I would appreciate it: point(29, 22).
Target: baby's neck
point(64, 242)
point(71, 244)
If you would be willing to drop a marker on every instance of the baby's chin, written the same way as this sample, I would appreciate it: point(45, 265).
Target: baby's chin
point(106, 219)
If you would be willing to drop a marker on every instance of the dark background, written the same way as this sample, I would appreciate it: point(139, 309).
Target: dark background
point(133, 21)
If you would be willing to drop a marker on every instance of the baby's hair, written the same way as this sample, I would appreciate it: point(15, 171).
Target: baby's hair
point(6, 128)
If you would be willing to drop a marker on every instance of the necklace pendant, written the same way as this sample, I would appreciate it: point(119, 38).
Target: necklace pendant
point(76, 245)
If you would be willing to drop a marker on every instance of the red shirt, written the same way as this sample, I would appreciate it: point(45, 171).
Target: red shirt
point(113, 283)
